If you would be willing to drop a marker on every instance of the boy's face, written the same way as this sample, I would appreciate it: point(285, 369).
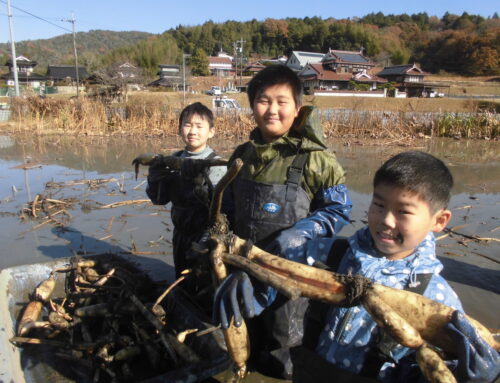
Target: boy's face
point(399, 220)
point(195, 132)
point(274, 110)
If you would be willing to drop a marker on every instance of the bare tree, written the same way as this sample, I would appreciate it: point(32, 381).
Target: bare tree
point(116, 80)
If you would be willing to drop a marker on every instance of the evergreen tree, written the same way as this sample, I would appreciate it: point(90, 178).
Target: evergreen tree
point(199, 63)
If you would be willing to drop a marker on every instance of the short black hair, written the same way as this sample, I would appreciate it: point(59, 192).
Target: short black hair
point(275, 75)
point(418, 172)
point(199, 109)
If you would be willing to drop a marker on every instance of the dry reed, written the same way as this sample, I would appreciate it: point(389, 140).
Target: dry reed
point(158, 117)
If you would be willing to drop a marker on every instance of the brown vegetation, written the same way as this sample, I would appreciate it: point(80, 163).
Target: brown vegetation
point(156, 114)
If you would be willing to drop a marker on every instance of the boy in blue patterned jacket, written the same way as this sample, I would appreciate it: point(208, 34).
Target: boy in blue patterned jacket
point(397, 249)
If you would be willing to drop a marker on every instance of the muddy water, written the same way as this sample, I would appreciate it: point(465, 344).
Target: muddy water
point(471, 267)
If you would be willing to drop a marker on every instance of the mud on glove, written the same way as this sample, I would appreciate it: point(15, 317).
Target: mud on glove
point(477, 360)
point(234, 296)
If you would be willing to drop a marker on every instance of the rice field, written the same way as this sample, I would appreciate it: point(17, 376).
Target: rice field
point(156, 114)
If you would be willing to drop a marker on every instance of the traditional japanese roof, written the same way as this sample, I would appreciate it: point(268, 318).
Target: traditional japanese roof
point(21, 61)
point(321, 73)
point(167, 82)
point(366, 77)
point(216, 60)
point(318, 71)
point(254, 67)
point(61, 72)
point(401, 70)
point(347, 57)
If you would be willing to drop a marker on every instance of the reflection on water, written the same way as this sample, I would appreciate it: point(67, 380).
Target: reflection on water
point(475, 203)
point(475, 164)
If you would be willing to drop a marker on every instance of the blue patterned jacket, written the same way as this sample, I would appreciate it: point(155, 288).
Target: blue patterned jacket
point(350, 332)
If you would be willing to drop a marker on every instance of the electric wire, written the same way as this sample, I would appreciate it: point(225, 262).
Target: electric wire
point(38, 17)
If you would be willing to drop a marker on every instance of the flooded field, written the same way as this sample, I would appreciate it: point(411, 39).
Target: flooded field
point(92, 176)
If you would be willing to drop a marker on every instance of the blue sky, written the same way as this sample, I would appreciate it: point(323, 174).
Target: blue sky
point(158, 16)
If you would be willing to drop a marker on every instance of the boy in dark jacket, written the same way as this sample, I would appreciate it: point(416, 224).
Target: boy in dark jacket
point(289, 190)
point(190, 192)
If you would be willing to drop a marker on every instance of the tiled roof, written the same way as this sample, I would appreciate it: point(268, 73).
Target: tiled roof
point(401, 69)
point(219, 60)
point(21, 61)
point(326, 74)
point(329, 75)
point(348, 57)
point(171, 81)
point(61, 72)
point(365, 77)
point(254, 67)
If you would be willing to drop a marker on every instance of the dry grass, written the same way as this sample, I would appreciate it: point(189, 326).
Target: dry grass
point(156, 114)
point(144, 115)
point(388, 104)
point(442, 105)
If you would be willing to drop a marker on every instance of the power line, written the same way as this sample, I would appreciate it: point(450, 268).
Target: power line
point(39, 18)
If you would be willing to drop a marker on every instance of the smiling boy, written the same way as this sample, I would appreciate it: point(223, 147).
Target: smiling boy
point(411, 192)
point(190, 194)
point(400, 219)
point(289, 190)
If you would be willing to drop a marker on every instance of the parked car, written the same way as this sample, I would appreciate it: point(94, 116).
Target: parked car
point(215, 91)
point(433, 94)
point(224, 103)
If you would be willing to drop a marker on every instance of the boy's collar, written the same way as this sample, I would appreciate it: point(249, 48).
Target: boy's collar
point(256, 137)
point(207, 148)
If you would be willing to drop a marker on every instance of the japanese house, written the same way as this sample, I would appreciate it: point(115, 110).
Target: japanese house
point(408, 78)
point(171, 76)
point(25, 74)
point(66, 73)
point(298, 59)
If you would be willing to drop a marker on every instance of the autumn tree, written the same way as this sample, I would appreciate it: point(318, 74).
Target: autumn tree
point(463, 44)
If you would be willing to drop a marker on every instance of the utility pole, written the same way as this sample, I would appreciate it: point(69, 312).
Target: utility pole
point(238, 50)
point(241, 58)
point(235, 55)
point(13, 50)
point(184, 55)
point(72, 21)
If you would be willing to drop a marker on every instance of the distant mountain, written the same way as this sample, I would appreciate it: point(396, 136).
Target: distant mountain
point(59, 50)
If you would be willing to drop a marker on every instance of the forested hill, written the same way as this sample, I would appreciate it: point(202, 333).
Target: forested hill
point(59, 50)
point(464, 44)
